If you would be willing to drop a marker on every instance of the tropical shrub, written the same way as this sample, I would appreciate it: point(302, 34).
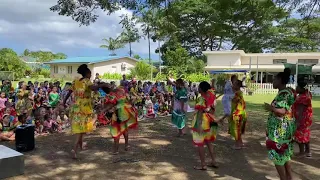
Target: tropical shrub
point(114, 76)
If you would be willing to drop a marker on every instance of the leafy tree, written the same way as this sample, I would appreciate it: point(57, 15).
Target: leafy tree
point(177, 60)
point(44, 56)
point(84, 11)
point(295, 35)
point(142, 70)
point(112, 45)
point(137, 56)
point(10, 61)
point(130, 33)
point(26, 52)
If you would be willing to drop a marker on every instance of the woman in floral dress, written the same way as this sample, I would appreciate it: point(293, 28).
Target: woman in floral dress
point(123, 116)
point(302, 109)
point(81, 112)
point(238, 118)
point(180, 107)
point(204, 125)
point(281, 126)
point(24, 104)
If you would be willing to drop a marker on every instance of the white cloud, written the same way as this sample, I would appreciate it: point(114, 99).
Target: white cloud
point(31, 23)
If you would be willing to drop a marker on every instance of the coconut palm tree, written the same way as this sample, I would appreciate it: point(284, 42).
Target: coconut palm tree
point(130, 33)
point(112, 45)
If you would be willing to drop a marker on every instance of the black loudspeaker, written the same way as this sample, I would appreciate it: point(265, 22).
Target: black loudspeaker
point(25, 138)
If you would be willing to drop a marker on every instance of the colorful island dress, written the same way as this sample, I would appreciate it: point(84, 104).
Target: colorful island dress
point(81, 111)
point(125, 116)
point(280, 130)
point(178, 116)
point(203, 127)
point(24, 103)
point(302, 134)
point(238, 118)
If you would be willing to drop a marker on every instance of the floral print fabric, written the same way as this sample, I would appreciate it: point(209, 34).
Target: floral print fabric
point(280, 129)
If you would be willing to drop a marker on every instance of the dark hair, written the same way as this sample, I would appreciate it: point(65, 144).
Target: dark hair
point(69, 83)
point(239, 83)
point(83, 69)
point(180, 82)
point(204, 86)
point(22, 117)
point(284, 76)
point(233, 76)
point(302, 84)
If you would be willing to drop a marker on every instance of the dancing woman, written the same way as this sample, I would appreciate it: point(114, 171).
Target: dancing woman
point(281, 126)
point(123, 116)
point(180, 107)
point(302, 109)
point(81, 112)
point(238, 118)
point(204, 127)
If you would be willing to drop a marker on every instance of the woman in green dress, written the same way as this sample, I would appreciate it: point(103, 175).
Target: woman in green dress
point(180, 107)
point(281, 126)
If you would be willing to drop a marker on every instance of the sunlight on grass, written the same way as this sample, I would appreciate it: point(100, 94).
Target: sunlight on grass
point(255, 106)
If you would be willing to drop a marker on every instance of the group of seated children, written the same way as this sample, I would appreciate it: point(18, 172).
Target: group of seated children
point(32, 104)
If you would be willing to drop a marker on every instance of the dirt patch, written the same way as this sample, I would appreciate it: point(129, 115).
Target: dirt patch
point(156, 154)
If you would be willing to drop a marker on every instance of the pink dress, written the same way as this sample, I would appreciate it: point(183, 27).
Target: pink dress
point(3, 102)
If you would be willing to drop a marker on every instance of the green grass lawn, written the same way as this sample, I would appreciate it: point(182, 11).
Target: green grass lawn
point(255, 106)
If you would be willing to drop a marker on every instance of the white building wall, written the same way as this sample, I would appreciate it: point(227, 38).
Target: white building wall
point(224, 59)
point(114, 66)
point(63, 71)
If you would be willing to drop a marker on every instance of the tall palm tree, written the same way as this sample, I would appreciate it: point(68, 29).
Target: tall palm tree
point(112, 45)
point(130, 32)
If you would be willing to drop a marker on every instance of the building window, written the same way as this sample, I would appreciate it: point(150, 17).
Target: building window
point(55, 69)
point(308, 61)
point(69, 69)
point(279, 61)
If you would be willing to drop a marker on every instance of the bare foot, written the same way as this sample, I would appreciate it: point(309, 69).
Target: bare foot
point(213, 165)
point(127, 147)
point(236, 147)
point(74, 154)
point(201, 168)
point(115, 153)
point(84, 146)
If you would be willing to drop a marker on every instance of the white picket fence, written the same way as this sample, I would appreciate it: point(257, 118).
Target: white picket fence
point(267, 88)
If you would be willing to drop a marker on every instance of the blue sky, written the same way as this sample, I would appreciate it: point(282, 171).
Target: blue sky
point(35, 27)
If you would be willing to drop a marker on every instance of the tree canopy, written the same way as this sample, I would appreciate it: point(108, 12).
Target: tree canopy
point(43, 56)
point(189, 27)
point(10, 61)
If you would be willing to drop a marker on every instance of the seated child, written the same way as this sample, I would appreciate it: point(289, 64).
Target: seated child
point(6, 129)
point(3, 100)
point(50, 125)
point(150, 111)
point(63, 120)
point(163, 107)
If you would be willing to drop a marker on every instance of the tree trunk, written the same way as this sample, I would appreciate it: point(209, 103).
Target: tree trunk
point(130, 51)
point(149, 46)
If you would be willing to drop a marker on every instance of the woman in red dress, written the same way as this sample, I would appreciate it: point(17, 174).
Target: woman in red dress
point(302, 109)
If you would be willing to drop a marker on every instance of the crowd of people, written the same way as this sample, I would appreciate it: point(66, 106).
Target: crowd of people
point(83, 105)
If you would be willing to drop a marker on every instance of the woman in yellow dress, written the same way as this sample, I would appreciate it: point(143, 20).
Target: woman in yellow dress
point(81, 111)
